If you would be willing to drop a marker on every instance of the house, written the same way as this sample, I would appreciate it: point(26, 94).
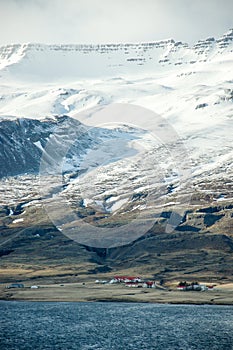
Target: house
point(210, 287)
point(149, 284)
point(15, 285)
point(181, 287)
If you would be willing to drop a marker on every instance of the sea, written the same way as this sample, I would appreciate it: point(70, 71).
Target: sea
point(114, 326)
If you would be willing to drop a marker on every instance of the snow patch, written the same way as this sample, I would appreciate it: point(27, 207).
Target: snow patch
point(17, 220)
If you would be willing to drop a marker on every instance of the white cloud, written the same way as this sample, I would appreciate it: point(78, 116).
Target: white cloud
point(79, 21)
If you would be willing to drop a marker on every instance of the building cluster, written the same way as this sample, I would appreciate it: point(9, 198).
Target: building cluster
point(131, 281)
point(138, 282)
point(193, 286)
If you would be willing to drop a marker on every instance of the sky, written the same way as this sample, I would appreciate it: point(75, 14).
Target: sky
point(103, 21)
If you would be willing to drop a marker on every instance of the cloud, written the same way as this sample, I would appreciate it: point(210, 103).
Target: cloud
point(92, 21)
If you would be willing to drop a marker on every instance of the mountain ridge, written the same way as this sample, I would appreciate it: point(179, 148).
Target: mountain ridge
point(226, 37)
point(25, 61)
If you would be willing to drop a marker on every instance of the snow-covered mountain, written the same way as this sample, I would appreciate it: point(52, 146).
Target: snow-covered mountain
point(54, 62)
point(155, 132)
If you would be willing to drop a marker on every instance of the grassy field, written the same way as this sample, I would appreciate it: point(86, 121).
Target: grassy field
point(90, 292)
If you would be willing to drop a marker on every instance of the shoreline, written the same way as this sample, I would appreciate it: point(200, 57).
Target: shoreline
point(120, 301)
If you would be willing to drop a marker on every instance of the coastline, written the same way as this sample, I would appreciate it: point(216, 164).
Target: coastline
point(90, 292)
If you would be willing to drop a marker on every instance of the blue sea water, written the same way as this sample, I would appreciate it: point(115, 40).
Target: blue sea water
point(114, 326)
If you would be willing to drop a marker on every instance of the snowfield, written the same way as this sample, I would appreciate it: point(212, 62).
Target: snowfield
point(159, 116)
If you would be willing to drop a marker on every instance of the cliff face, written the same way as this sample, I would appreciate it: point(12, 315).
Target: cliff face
point(53, 62)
